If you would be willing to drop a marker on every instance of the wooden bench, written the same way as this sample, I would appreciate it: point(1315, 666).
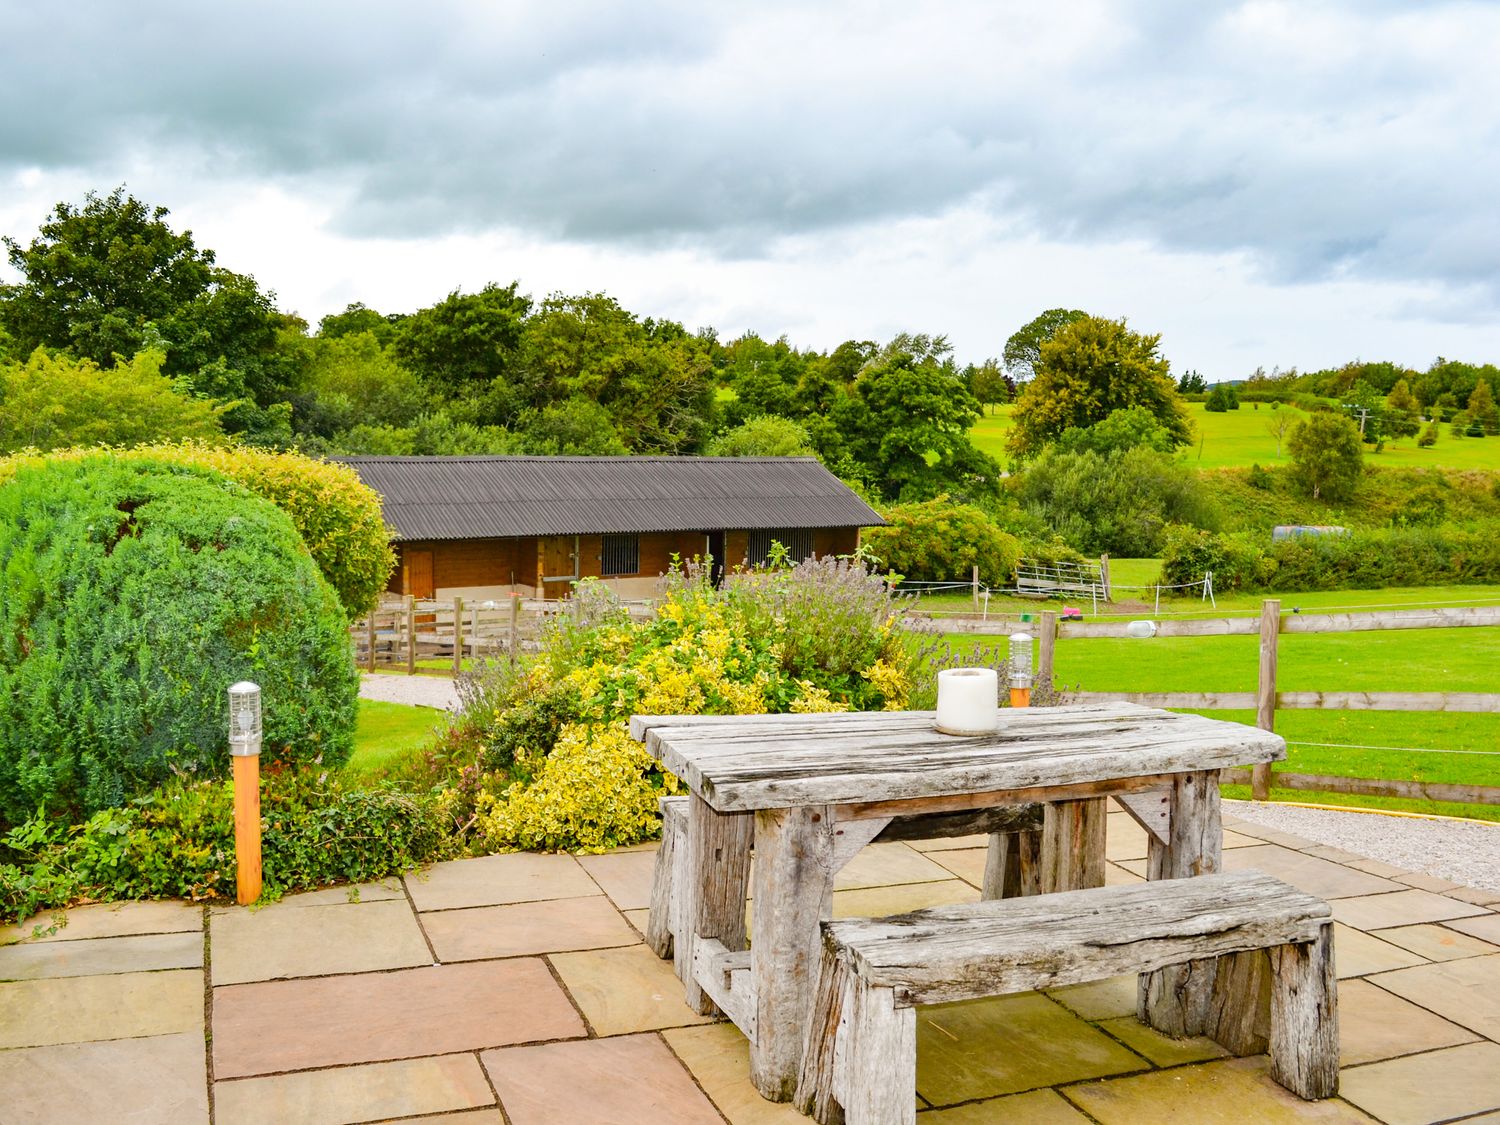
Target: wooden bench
point(860, 1060)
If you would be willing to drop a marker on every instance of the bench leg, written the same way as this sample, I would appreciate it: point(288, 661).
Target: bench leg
point(659, 924)
point(1013, 867)
point(1073, 844)
point(1239, 1013)
point(717, 878)
point(794, 865)
point(875, 1059)
point(814, 1095)
point(1305, 1018)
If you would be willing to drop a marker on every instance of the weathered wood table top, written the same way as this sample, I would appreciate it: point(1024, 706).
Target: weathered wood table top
point(740, 763)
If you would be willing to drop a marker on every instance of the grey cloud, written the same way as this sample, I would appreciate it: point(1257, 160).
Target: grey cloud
point(1327, 140)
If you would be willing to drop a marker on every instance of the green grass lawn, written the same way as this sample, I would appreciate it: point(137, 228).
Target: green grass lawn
point(387, 732)
point(1239, 438)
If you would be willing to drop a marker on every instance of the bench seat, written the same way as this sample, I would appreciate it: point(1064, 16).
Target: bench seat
point(861, 1050)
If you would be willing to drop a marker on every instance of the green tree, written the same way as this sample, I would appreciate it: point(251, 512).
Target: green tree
point(358, 317)
point(939, 541)
point(1482, 408)
point(990, 384)
point(1023, 351)
point(352, 380)
point(1090, 369)
point(52, 401)
point(1403, 416)
point(1280, 424)
point(467, 343)
point(764, 436)
point(579, 427)
point(1221, 399)
point(1131, 428)
point(1327, 460)
point(1192, 383)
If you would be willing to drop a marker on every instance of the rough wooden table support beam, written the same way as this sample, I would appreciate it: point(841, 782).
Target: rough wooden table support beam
point(1073, 845)
point(1013, 866)
point(794, 868)
point(719, 870)
point(1305, 1018)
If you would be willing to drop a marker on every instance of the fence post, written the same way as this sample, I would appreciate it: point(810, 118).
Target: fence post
point(244, 750)
point(515, 624)
point(1104, 578)
point(1049, 646)
point(458, 635)
point(474, 634)
point(974, 581)
point(370, 642)
point(411, 635)
point(1265, 691)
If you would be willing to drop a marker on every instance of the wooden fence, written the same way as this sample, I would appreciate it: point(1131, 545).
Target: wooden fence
point(1265, 700)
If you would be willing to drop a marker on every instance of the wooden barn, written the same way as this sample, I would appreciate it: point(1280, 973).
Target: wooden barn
point(482, 527)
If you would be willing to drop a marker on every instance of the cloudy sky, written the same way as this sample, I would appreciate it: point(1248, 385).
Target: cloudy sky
point(1262, 183)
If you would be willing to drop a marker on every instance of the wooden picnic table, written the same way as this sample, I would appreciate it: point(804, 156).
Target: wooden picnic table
point(808, 791)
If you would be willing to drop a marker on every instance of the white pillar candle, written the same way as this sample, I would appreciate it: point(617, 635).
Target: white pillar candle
point(968, 701)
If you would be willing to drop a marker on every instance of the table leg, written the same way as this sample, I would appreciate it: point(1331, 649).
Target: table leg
point(794, 869)
point(718, 878)
point(1073, 844)
point(1013, 865)
point(1178, 1000)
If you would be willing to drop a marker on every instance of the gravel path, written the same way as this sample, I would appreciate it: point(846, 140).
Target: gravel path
point(1461, 851)
point(417, 691)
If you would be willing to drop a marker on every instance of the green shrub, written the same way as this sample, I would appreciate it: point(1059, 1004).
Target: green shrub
point(178, 842)
point(1326, 457)
point(337, 516)
point(133, 594)
point(1221, 399)
point(940, 541)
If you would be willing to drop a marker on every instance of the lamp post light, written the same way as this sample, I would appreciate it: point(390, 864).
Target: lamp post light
point(244, 751)
point(1020, 669)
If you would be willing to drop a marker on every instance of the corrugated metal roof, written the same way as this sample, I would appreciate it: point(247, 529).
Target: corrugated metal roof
point(501, 497)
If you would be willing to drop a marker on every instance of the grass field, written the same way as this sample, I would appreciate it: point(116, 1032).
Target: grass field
point(1239, 438)
point(386, 732)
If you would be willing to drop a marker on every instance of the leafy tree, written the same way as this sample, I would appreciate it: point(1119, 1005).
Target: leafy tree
point(1090, 369)
point(357, 318)
point(1280, 424)
point(1119, 502)
point(351, 380)
point(1327, 461)
point(1365, 406)
point(1401, 411)
point(435, 434)
point(939, 541)
point(990, 384)
point(579, 427)
point(1429, 435)
point(467, 341)
point(1023, 351)
point(54, 401)
point(1222, 398)
point(765, 436)
point(1482, 408)
point(1131, 428)
point(1192, 383)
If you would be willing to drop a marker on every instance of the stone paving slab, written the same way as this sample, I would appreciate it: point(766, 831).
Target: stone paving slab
point(718, 1057)
point(981, 1048)
point(625, 990)
point(1039, 1107)
point(1466, 992)
point(1401, 908)
point(1229, 1092)
point(101, 956)
point(1375, 1024)
point(877, 902)
point(1320, 877)
point(1358, 954)
point(1435, 942)
point(1100, 999)
point(555, 926)
point(626, 1079)
point(158, 1078)
point(1419, 1089)
point(355, 1093)
point(884, 865)
point(1162, 1050)
point(282, 940)
point(371, 1017)
point(39, 1013)
point(1484, 926)
point(113, 919)
point(625, 876)
point(498, 879)
point(343, 894)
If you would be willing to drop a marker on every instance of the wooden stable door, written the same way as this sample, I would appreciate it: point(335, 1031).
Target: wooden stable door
point(416, 574)
point(559, 565)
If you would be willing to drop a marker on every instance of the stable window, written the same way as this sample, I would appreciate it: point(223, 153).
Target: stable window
point(621, 554)
point(798, 542)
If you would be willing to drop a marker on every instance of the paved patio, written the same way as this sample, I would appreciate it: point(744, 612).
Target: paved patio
point(521, 982)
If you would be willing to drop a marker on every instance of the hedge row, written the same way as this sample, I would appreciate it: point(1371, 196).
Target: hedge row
point(1447, 554)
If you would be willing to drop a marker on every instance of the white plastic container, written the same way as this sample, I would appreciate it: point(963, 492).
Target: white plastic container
point(968, 701)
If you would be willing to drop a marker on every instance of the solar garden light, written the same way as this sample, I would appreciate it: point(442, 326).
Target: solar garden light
point(244, 751)
point(1020, 669)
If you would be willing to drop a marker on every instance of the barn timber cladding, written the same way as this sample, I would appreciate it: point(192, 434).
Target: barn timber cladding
point(438, 498)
